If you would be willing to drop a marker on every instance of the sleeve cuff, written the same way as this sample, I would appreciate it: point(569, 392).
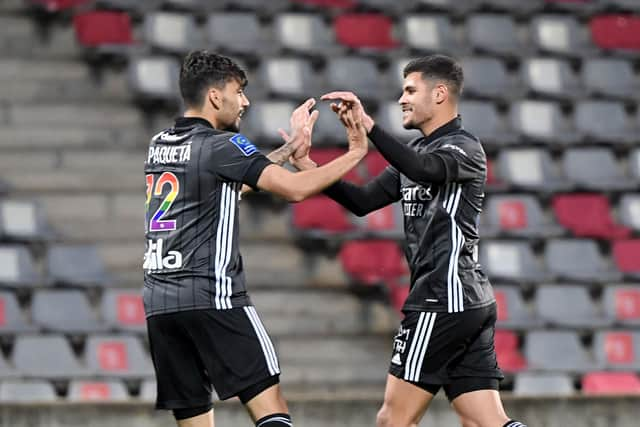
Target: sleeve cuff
point(252, 175)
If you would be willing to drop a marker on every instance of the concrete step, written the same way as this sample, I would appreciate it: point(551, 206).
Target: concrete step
point(76, 135)
point(66, 182)
point(62, 115)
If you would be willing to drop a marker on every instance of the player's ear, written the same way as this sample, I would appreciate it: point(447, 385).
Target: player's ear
point(440, 93)
point(214, 96)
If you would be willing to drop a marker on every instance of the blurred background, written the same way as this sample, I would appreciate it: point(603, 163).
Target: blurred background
point(552, 89)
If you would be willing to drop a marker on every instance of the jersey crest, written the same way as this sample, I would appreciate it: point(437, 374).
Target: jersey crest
point(243, 144)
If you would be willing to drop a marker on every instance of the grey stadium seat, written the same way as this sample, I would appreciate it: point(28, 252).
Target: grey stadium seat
point(117, 356)
point(629, 211)
point(530, 169)
point(551, 77)
point(238, 33)
point(516, 314)
point(578, 260)
point(78, 265)
point(542, 384)
point(18, 267)
point(46, 356)
point(634, 164)
point(389, 117)
point(621, 304)
point(305, 33)
point(97, 391)
point(482, 119)
point(27, 391)
point(148, 391)
point(50, 310)
point(264, 119)
point(155, 78)
point(358, 75)
point(301, 80)
point(23, 220)
point(12, 319)
point(542, 121)
point(617, 349)
point(595, 169)
point(429, 34)
point(486, 77)
point(556, 351)
point(568, 306)
point(495, 34)
point(172, 32)
point(328, 130)
point(7, 370)
point(122, 310)
point(610, 77)
point(510, 261)
point(560, 35)
point(605, 121)
point(517, 215)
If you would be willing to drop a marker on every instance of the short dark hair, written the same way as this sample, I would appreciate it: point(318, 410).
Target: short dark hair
point(438, 67)
point(201, 70)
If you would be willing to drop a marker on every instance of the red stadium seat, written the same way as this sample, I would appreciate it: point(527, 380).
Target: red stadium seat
point(616, 31)
point(325, 155)
point(130, 310)
point(611, 383)
point(398, 293)
point(365, 30)
point(373, 261)
point(382, 219)
point(375, 163)
point(618, 348)
point(588, 215)
point(57, 5)
point(103, 28)
point(627, 304)
point(320, 213)
point(513, 215)
point(625, 253)
point(509, 357)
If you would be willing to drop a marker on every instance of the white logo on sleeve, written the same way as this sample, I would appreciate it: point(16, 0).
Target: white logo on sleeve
point(154, 259)
point(455, 148)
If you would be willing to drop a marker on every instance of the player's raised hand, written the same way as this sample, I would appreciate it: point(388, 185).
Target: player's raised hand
point(356, 132)
point(302, 144)
point(348, 99)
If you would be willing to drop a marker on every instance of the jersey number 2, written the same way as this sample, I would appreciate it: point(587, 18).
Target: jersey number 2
point(167, 178)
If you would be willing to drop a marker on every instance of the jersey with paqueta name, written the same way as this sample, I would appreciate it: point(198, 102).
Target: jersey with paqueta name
point(194, 174)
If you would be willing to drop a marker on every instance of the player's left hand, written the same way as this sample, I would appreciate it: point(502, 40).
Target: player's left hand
point(349, 101)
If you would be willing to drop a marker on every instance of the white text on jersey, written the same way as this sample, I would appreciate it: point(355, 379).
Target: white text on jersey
point(169, 154)
point(155, 261)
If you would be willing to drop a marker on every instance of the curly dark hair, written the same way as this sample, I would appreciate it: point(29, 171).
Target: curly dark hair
point(438, 67)
point(201, 70)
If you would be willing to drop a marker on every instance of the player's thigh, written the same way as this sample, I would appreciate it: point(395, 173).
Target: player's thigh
point(480, 408)
point(267, 402)
point(202, 420)
point(404, 403)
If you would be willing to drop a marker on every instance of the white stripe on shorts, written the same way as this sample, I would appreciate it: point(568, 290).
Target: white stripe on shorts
point(265, 341)
point(418, 347)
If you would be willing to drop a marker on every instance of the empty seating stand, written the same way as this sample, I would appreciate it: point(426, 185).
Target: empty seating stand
point(372, 261)
point(588, 215)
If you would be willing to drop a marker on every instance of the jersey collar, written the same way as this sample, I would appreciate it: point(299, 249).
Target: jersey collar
point(451, 126)
point(188, 122)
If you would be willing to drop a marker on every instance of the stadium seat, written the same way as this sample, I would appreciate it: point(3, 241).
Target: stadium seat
point(375, 164)
point(516, 215)
point(97, 391)
point(46, 356)
point(50, 311)
point(300, 82)
point(486, 77)
point(494, 182)
point(172, 32)
point(122, 310)
point(18, 267)
point(105, 30)
point(495, 34)
point(482, 119)
point(372, 261)
point(384, 223)
point(634, 163)
point(617, 349)
point(6, 370)
point(148, 391)
point(27, 391)
point(389, 118)
point(53, 6)
point(617, 32)
point(359, 75)
point(542, 121)
point(262, 121)
point(12, 319)
point(568, 306)
point(605, 121)
point(521, 8)
point(578, 260)
point(629, 211)
point(238, 33)
point(328, 131)
point(320, 217)
point(155, 78)
point(510, 261)
point(551, 77)
point(556, 351)
point(588, 215)
point(353, 30)
point(429, 34)
point(621, 303)
point(117, 356)
point(532, 384)
point(305, 33)
point(530, 169)
point(560, 35)
point(625, 254)
point(610, 78)
point(76, 265)
point(601, 383)
point(325, 155)
point(509, 357)
point(513, 313)
point(594, 169)
point(23, 220)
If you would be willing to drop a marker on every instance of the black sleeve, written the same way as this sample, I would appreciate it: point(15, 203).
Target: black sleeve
point(423, 168)
point(381, 191)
